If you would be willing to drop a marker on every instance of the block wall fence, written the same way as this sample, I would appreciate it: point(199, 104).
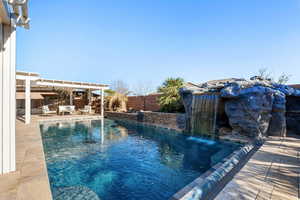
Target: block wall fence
point(147, 103)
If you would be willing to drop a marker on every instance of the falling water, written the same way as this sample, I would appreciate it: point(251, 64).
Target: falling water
point(204, 113)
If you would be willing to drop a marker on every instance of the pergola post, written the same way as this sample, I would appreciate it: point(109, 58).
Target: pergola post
point(71, 97)
point(102, 102)
point(27, 101)
point(89, 96)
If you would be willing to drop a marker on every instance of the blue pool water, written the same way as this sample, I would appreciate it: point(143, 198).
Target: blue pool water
point(111, 160)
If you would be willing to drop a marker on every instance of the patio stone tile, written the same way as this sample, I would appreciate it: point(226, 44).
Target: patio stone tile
point(34, 189)
point(9, 182)
point(271, 173)
point(9, 195)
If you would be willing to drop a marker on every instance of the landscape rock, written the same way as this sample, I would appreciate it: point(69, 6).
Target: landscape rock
point(255, 108)
point(251, 112)
point(224, 131)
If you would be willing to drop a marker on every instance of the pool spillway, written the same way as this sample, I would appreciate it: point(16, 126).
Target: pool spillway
point(204, 114)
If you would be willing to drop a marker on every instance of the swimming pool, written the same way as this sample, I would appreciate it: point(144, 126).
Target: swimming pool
point(110, 160)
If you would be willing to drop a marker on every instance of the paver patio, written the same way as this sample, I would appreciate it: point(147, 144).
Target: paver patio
point(271, 173)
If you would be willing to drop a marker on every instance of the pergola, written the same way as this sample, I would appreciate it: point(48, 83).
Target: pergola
point(35, 79)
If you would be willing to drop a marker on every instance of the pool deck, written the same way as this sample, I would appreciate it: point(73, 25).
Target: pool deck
point(273, 172)
point(30, 180)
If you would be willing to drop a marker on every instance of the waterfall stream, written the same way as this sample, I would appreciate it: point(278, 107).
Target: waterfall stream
point(204, 114)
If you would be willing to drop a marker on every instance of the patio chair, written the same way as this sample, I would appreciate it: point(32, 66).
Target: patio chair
point(86, 110)
point(66, 109)
point(47, 111)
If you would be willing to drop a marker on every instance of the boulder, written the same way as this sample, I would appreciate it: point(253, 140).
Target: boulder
point(224, 131)
point(249, 112)
point(277, 126)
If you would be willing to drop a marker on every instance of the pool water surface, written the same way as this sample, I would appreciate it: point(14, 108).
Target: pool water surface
point(109, 160)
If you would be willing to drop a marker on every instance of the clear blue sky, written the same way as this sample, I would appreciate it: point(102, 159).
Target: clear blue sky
point(142, 40)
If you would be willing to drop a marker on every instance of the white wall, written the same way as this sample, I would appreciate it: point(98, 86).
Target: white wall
point(7, 98)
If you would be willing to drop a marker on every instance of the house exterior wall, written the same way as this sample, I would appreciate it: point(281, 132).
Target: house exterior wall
point(7, 98)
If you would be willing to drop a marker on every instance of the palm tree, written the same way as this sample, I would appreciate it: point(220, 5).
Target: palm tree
point(170, 100)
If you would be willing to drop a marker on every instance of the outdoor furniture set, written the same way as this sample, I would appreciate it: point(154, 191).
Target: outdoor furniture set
point(65, 109)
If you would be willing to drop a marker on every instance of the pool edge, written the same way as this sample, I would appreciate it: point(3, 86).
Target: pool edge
point(209, 184)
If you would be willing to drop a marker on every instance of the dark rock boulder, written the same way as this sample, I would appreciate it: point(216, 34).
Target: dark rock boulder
point(249, 111)
point(277, 126)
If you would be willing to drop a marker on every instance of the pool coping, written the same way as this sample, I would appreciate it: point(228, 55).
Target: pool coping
point(209, 184)
point(67, 119)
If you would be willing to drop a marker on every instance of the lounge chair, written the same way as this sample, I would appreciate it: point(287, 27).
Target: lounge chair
point(47, 111)
point(86, 110)
point(66, 109)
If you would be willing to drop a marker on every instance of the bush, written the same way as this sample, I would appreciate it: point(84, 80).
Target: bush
point(117, 102)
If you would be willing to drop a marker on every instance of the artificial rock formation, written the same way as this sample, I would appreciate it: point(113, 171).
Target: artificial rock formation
point(255, 108)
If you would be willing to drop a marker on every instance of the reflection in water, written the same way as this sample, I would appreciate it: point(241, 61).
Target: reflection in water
point(117, 160)
point(102, 131)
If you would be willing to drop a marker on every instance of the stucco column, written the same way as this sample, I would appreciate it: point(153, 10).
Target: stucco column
point(7, 98)
point(27, 101)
